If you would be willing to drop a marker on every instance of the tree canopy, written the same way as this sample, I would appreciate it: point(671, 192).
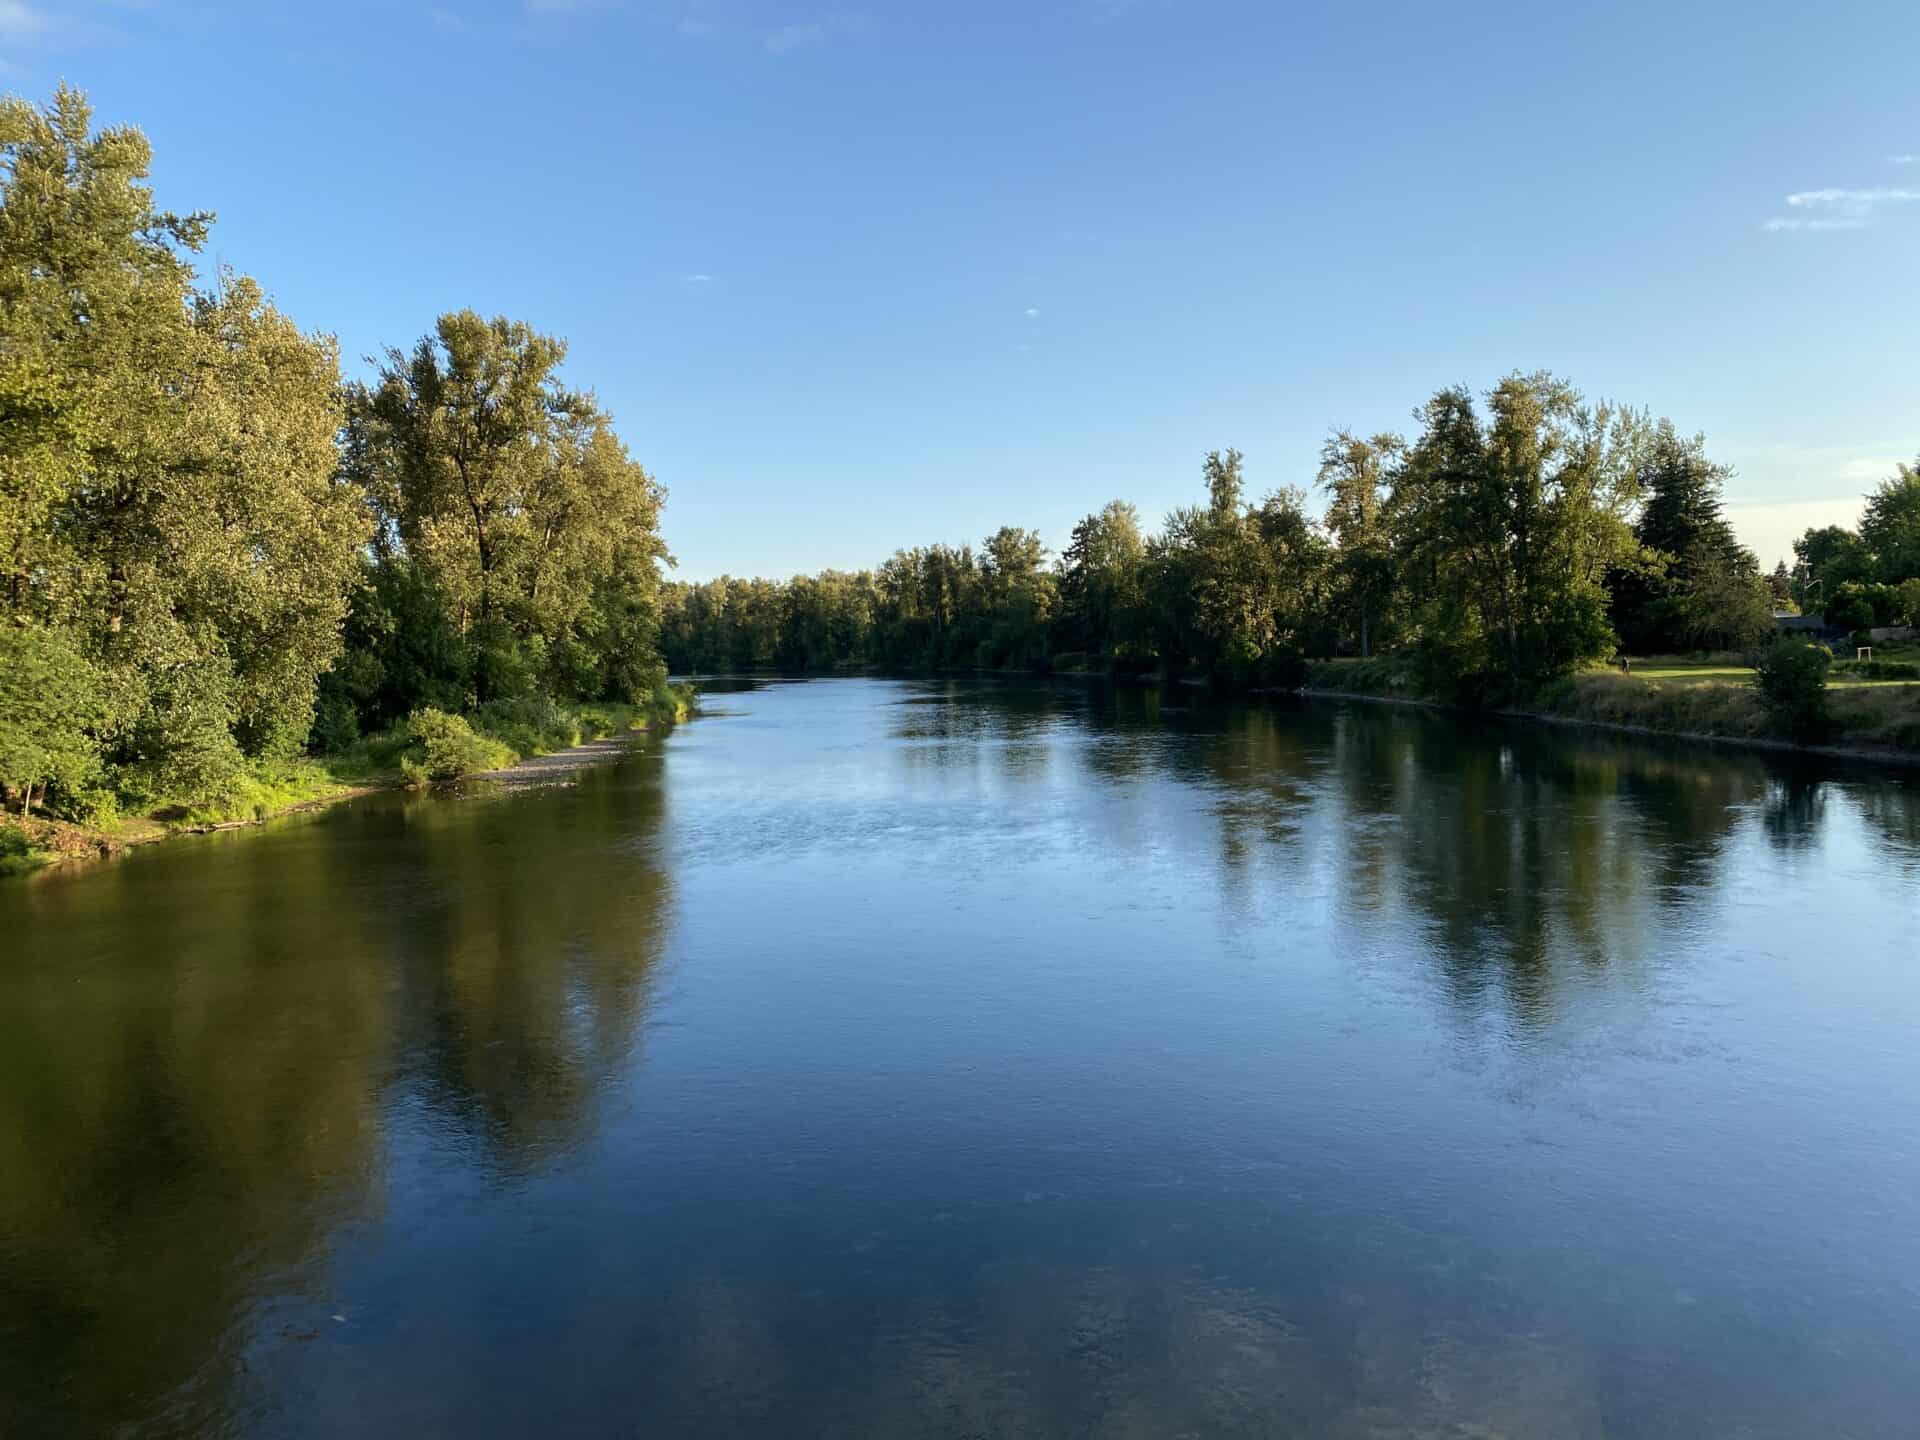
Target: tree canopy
point(198, 518)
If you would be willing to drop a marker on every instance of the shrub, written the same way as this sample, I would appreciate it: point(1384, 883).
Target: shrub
point(1792, 680)
point(443, 747)
point(527, 724)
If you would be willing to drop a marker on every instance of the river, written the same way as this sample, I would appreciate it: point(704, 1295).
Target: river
point(893, 1058)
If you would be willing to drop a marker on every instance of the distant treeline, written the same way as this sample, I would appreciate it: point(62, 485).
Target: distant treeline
point(1515, 538)
point(218, 555)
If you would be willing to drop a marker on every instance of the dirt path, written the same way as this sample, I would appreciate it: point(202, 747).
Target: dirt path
point(564, 766)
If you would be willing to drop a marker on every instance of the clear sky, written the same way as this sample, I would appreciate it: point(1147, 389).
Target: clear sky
point(857, 278)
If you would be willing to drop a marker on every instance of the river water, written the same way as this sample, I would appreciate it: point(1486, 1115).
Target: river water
point(878, 1058)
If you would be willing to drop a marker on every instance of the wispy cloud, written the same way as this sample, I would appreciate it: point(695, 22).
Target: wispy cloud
point(1838, 208)
point(1033, 313)
point(698, 278)
point(21, 22)
point(1783, 222)
point(1852, 201)
point(18, 19)
point(28, 26)
point(1903, 159)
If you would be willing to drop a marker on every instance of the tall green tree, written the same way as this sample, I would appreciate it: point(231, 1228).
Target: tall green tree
point(1101, 576)
point(519, 503)
point(1357, 474)
point(1697, 585)
point(1509, 528)
point(1231, 587)
point(1890, 527)
point(167, 466)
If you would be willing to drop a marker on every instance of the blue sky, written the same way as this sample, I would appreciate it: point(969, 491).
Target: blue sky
point(858, 278)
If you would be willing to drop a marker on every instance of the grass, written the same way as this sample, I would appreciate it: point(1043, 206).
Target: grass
point(1679, 694)
point(1892, 665)
point(1866, 713)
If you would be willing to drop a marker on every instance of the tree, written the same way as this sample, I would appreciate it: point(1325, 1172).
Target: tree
point(167, 490)
point(1231, 589)
point(1357, 475)
point(1907, 602)
point(1824, 560)
point(519, 503)
point(1510, 529)
point(1724, 603)
point(1697, 585)
point(1780, 588)
point(1890, 527)
point(1101, 596)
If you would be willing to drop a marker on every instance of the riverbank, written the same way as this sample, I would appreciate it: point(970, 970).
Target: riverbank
point(533, 743)
point(1878, 723)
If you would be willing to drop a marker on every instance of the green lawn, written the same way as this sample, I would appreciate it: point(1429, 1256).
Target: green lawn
point(1688, 672)
point(1675, 670)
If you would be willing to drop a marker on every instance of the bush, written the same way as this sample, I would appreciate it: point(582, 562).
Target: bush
point(528, 724)
point(16, 854)
point(443, 747)
point(1792, 680)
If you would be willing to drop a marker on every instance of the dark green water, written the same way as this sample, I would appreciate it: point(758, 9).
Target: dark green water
point(892, 1059)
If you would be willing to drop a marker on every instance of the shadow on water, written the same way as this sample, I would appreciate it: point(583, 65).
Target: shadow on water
point(206, 1046)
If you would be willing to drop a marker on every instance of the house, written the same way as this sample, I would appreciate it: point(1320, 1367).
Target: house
point(1811, 627)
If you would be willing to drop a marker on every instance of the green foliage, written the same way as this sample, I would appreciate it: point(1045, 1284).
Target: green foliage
point(213, 555)
point(51, 704)
point(1357, 475)
point(168, 497)
point(1101, 591)
point(439, 746)
point(1694, 584)
point(1791, 676)
point(516, 511)
point(183, 747)
point(17, 853)
point(1906, 602)
point(528, 724)
point(1860, 605)
point(1826, 559)
point(1509, 529)
point(1890, 527)
point(403, 652)
point(1491, 556)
